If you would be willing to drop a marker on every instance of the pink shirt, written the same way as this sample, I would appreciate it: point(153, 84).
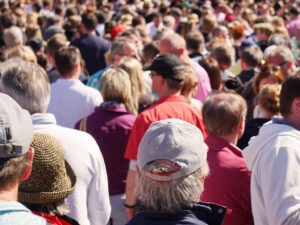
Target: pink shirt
point(292, 26)
point(204, 87)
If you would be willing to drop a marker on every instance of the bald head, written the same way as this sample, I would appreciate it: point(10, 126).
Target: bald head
point(172, 43)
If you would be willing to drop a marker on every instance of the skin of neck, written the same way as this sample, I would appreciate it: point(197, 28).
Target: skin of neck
point(167, 92)
point(9, 194)
point(231, 138)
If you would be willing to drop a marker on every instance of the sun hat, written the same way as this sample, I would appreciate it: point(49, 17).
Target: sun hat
point(52, 179)
point(16, 130)
point(174, 140)
point(167, 65)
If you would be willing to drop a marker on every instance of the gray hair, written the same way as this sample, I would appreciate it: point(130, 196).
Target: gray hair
point(118, 46)
point(282, 39)
point(27, 83)
point(285, 53)
point(174, 41)
point(170, 196)
point(13, 36)
point(169, 21)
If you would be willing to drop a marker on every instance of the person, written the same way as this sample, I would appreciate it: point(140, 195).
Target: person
point(70, 99)
point(51, 181)
point(272, 156)
point(112, 121)
point(89, 203)
point(263, 32)
point(91, 46)
point(168, 76)
point(172, 167)
point(214, 72)
point(229, 181)
point(13, 37)
point(195, 45)
point(173, 43)
point(15, 162)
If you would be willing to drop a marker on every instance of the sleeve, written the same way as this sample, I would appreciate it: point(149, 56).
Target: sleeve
point(280, 185)
point(138, 130)
point(99, 208)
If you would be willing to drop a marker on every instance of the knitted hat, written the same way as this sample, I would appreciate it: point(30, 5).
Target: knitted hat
point(52, 179)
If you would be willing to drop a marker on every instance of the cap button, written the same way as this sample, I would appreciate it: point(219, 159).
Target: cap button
point(220, 210)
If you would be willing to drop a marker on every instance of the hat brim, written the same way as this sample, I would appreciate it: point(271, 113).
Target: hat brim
point(50, 197)
point(147, 67)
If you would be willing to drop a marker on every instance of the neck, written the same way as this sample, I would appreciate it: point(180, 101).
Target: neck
point(291, 120)
point(168, 93)
point(9, 194)
point(231, 138)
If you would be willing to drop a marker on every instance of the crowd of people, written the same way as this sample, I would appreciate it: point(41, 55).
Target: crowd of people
point(135, 112)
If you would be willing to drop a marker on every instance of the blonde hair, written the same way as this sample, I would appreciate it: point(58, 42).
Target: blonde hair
point(135, 71)
point(33, 30)
point(115, 85)
point(190, 83)
point(269, 98)
point(24, 52)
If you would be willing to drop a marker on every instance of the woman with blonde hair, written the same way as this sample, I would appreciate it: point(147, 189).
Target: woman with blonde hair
point(24, 52)
point(140, 99)
point(110, 125)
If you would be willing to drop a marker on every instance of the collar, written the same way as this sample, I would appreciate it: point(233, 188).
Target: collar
point(216, 143)
point(170, 98)
point(12, 206)
point(43, 118)
point(112, 107)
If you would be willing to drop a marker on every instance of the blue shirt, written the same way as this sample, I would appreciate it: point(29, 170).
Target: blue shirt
point(95, 78)
point(14, 213)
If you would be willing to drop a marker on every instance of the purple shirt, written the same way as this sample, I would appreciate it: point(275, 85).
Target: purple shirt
point(204, 87)
point(292, 26)
point(111, 126)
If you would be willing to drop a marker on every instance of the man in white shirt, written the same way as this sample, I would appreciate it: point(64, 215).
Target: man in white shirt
point(28, 84)
point(70, 99)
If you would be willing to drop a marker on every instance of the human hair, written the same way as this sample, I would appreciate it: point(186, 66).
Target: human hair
point(281, 39)
point(294, 10)
point(27, 83)
point(224, 54)
point(220, 105)
point(268, 98)
point(238, 32)
point(66, 58)
point(174, 41)
point(115, 85)
point(169, 21)
point(208, 23)
point(12, 170)
point(135, 71)
point(195, 41)
point(190, 84)
point(218, 30)
point(265, 72)
point(33, 30)
point(169, 196)
point(289, 91)
point(118, 46)
point(265, 28)
point(24, 52)
point(252, 56)
point(32, 18)
point(13, 36)
point(284, 52)
point(214, 72)
point(90, 21)
point(55, 43)
point(150, 50)
point(57, 208)
point(8, 19)
point(42, 60)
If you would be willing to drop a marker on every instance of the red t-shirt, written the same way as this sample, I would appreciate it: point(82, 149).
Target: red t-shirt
point(166, 107)
point(228, 183)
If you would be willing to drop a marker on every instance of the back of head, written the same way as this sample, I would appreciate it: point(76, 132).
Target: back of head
point(27, 83)
point(66, 58)
point(55, 43)
point(173, 42)
point(252, 56)
point(190, 84)
point(281, 39)
point(214, 72)
point(284, 52)
point(8, 19)
point(220, 105)
point(89, 20)
point(52, 179)
point(171, 162)
point(224, 54)
point(195, 41)
point(24, 52)
point(150, 50)
point(289, 91)
point(15, 139)
point(115, 86)
point(268, 98)
point(13, 36)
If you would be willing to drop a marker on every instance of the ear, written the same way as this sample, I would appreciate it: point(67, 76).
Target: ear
point(290, 64)
point(181, 50)
point(29, 163)
point(296, 104)
point(161, 80)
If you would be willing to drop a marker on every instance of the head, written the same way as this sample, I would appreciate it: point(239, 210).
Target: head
point(281, 56)
point(115, 85)
point(268, 99)
point(209, 22)
point(283, 40)
point(169, 21)
point(224, 55)
point(53, 44)
point(251, 57)
point(172, 43)
point(238, 32)
point(13, 37)
point(195, 42)
point(220, 105)
point(168, 177)
point(52, 179)
point(190, 86)
point(24, 52)
point(263, 31)
point(67, 61)
point(267, 75)
point(89, 22)
point(157, 19)
point(214, 72)
point(220, 31)
point(16, 154)
point(33, 30)
point(150, 50)
point(8, 19)
point(27, 83)
point(168, 74)
point(290, 99)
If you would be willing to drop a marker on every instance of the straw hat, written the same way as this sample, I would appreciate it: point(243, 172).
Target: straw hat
point(52, 179)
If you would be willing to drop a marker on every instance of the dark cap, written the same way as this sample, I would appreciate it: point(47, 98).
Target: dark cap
point(168, 66)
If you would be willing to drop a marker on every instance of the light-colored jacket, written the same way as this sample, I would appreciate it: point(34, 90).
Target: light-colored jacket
point(274, 159)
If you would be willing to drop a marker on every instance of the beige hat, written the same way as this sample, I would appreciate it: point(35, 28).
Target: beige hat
point(52, 179)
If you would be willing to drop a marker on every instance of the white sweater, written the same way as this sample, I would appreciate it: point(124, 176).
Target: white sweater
point(274, 159)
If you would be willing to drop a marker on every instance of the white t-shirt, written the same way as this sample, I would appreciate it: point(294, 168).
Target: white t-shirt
point(71, 101)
